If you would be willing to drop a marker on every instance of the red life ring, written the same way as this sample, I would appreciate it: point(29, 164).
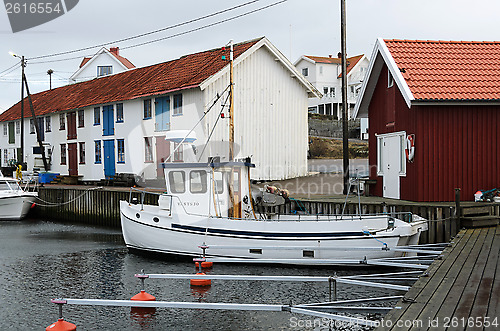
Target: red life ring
point(410, 147)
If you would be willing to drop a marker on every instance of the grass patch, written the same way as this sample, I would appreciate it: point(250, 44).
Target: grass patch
point(321, 148)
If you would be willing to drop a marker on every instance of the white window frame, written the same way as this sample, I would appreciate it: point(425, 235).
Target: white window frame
point(390, 79)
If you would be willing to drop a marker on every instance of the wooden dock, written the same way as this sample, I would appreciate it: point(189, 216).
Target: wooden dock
point(460, 292)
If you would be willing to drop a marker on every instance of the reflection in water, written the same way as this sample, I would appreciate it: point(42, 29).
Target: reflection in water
point(44, 260)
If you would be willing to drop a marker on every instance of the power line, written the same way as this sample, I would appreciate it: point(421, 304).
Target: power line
point(14, 67)
point(168, 37)
point(206, 26)
point(147, 33)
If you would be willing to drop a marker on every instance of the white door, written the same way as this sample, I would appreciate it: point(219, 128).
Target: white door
point(391, 165)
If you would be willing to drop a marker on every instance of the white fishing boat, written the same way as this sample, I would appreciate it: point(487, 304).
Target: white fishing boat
point(209, 208)
point(14, 201)
point(203, 208)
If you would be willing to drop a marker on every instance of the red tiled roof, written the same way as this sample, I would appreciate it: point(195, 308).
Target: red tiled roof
point(84, 61)
point(322, 59)
point(188, 71)
point(449, 70)
point(124, 61)
point(351, 61)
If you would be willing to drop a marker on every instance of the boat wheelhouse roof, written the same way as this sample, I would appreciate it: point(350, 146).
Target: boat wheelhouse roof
point(176, 165)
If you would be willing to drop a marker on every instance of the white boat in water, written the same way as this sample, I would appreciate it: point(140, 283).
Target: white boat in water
point(14, 201)
point(211, 205)
point(203, 208)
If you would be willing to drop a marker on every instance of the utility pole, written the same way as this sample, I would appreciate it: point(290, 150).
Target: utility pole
point(231, 106)
point(50, 72)
point(345, 133)
point(20, 157)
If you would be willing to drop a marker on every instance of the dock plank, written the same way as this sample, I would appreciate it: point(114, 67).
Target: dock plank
point(494, 303)
point(479, 307)
point(439, 283)
point(450, 289)
point(404, 306)
point(463, 288)
point(467, 282)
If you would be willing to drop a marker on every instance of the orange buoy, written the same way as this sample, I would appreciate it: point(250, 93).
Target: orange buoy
point(204, 264)
point(61, 325)
point(142, 312)
point(143, 296)
point(201, 282)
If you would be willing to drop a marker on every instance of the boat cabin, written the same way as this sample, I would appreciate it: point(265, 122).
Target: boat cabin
point(220, 189)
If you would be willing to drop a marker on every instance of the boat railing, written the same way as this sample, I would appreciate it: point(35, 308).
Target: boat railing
point(391, 217)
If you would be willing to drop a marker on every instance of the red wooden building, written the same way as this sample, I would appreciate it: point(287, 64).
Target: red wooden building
point(434, 115)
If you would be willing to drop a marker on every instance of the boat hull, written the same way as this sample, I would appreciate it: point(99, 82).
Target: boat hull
point(149, 228)
point(15, 206)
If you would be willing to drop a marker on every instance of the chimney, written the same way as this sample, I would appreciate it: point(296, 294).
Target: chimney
point(115, 50)
point(330, 56)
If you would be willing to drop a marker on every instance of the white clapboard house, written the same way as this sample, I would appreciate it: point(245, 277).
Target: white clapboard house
point(117, 123)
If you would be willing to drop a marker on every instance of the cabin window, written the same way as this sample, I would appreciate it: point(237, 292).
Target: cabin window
point(62, 122)
point(236, 182)
point(48, 124)
point(177, 104)
point(325, 91)
point(198, 181)
point(18, 127)
point(81, 118)
point(32, 126)
point(332, 92)
point(147, 109)
point(305, 71)
point(63, 154)
point(104, 70)
point(5, 129)
point(148, 149)
point(218, 182)
point(97, 115)
point(97, 151)
point(121, 150)
point(119, 113)
point(177, 181)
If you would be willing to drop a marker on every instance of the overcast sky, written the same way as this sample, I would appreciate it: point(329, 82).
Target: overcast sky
point(296, 27)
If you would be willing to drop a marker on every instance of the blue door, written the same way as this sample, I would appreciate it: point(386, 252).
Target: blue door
point(108, 123)
point(162, 114)
point(109, 158)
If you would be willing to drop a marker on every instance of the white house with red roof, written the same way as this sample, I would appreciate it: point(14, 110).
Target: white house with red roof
point(118, 123)
point(325, 73)
point(434, 112)
point(104, 62)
